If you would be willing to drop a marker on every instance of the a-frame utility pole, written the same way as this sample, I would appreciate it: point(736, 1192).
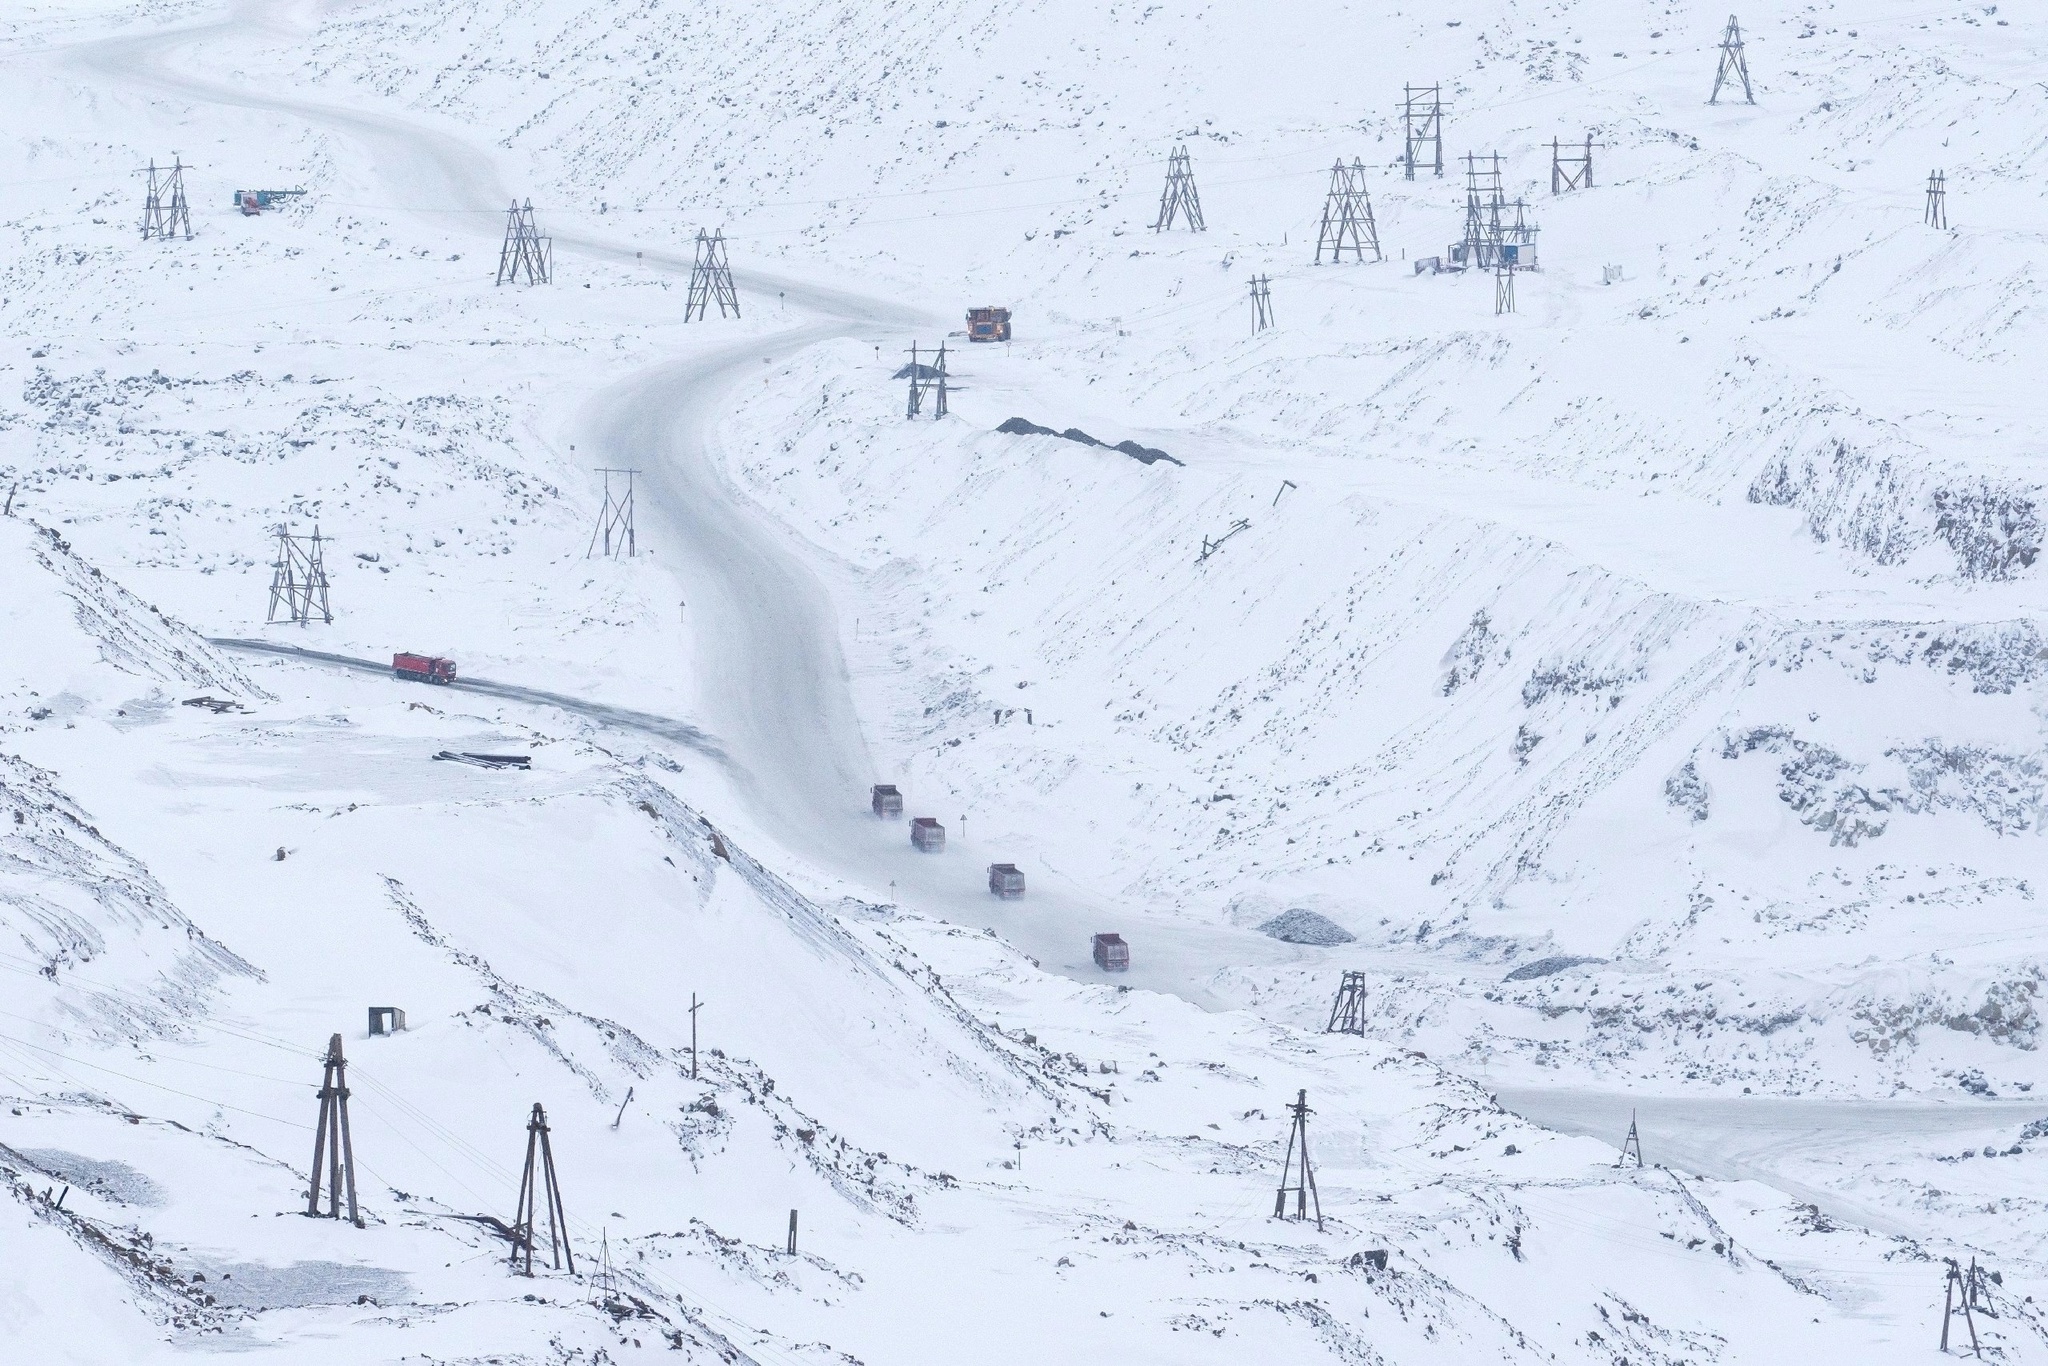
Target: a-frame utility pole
point(1178, 199)
point(1347, 1012)
point(1937, 200)
point(1734, 65)
point(710, 279)
point(333, 1149)
point(1422, 128)
point(1632, 1145)
point(538, 1184)
point(1304, 1185)
point(1347, 216)
point(1952, 1302)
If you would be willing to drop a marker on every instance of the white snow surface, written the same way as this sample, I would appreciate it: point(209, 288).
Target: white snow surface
point(1653, 679)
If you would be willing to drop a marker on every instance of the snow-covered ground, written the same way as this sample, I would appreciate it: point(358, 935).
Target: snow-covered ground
point(1650, 682)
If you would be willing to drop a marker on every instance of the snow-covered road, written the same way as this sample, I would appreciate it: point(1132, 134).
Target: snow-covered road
point(1763, 1138)
point(775, 689)
point(775, 696)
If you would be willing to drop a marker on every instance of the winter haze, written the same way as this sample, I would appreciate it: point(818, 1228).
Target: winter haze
point(1505, 709)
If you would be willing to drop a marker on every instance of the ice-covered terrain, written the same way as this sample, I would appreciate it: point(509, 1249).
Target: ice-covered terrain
point(1644, 692)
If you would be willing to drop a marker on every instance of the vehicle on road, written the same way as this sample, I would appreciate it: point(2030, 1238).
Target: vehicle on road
point(988, 324)
point(1005, 881)
point(886, 802)
point(423, 668)
point(927, 835)
point(1112, 954)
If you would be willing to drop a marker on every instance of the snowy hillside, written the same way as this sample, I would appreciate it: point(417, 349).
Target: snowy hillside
point(1644, 692)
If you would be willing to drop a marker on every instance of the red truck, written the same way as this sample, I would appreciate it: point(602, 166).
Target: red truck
point(423, 668)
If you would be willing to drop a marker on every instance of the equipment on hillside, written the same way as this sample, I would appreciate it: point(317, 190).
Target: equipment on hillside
point(252, 202)
point(423, 668)
point(988, 324)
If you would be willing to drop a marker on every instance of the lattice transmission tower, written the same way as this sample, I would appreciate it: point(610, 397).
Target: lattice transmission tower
point(298, 579)
point(1347, 216)
point(710, 279)
point(1347, 1012)
point(526, 256)
point(1937, 200)
point(1179, 199)
point(1734, 64)
point(165, 214)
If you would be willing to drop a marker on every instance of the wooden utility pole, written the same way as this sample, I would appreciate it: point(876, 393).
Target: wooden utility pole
point(792, 1233)
point(1951, 1302)
point(695, 1006)
point(540, 1172)
point(1304, 1187)
point(1262, 303)
point(1574, 172)
point(333, 1149)
point(1422, 128)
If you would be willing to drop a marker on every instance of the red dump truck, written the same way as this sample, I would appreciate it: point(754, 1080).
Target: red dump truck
point(423, 668)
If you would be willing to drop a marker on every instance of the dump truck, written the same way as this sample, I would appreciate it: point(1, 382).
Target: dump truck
point(423, 668)
point(1112, 954)
point(988, 324)
point(927, 836)
point(886, 801)
point(1005, 881)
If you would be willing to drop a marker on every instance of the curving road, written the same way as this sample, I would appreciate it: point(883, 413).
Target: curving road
point(775, 691)
point(778, 699)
